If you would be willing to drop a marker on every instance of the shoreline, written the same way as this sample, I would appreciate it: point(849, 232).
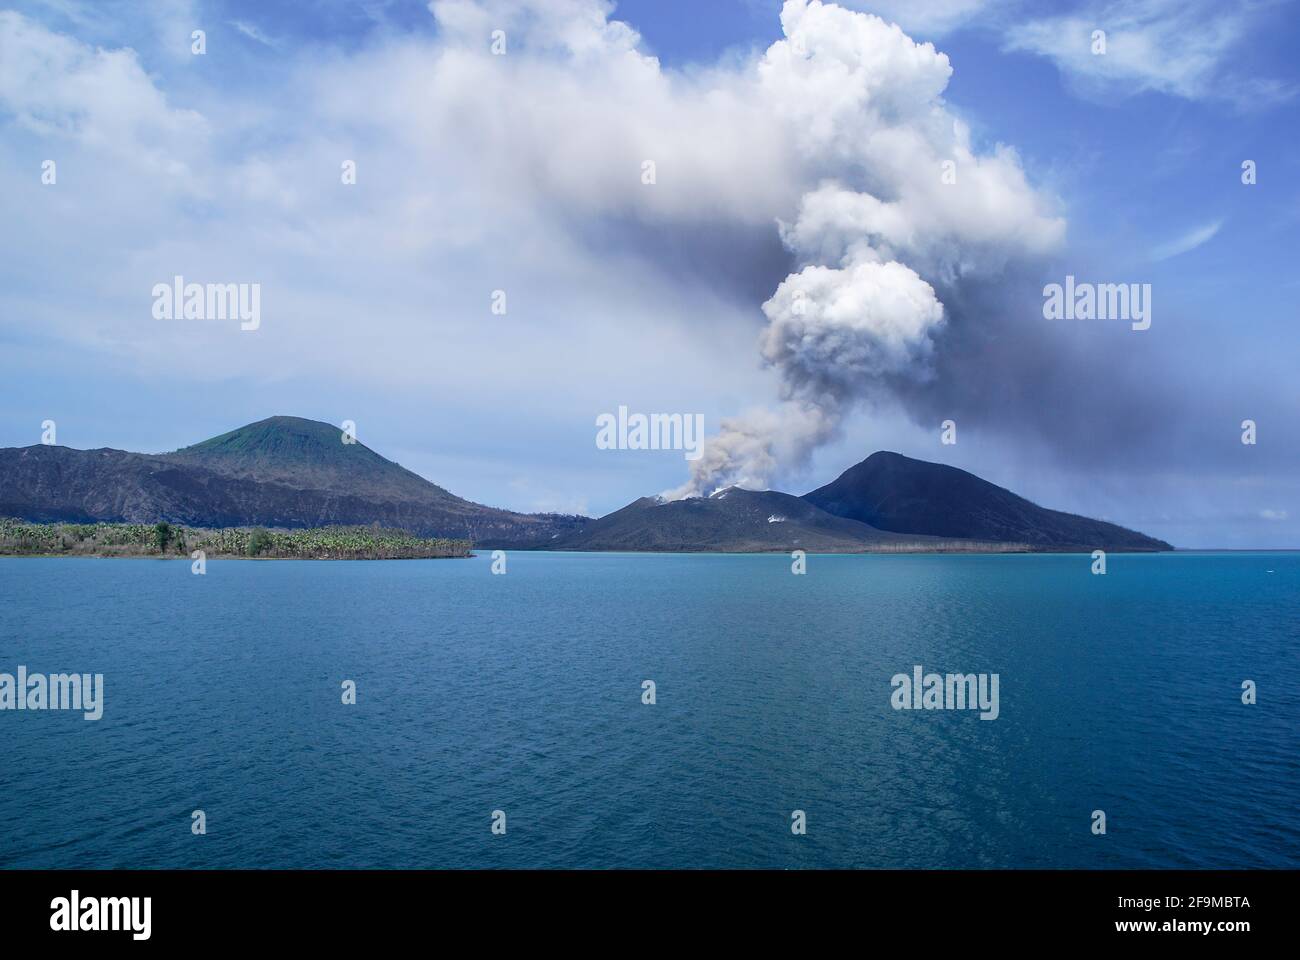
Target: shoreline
point(210, 556)
point(474, 554)
point(163, 540)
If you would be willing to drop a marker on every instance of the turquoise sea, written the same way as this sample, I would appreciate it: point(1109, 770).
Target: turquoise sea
point(523, 693)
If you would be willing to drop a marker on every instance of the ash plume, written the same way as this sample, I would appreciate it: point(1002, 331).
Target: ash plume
point(902, 202)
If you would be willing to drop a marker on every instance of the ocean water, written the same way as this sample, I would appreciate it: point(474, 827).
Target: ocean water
point(522, 693)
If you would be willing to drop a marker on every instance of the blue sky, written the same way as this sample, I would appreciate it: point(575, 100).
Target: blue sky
point(522, 173)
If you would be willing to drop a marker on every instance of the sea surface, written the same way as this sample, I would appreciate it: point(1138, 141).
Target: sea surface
point(523, 693)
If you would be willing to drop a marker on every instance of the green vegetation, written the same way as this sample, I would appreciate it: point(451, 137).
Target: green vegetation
point(19, 538)
point(259, 542)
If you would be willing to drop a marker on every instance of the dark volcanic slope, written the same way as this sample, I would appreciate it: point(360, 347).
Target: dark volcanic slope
point(281, 472)
point(733, 521)
point(893, 492)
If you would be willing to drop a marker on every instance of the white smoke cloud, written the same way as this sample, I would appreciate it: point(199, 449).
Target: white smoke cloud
point(754, 447)
point(835, 335)
point(837, 331)
point(858, 317)
point(973, 227)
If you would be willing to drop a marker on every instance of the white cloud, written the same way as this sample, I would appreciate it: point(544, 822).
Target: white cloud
point(928, 18)
point(61, 90)
point(1184, 48)
point(253, 32)
point(1188, 241)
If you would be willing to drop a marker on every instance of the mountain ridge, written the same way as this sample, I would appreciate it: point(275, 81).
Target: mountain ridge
point(893, 492)
point(290, 472)
point(736, 520)
point(281, 472)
